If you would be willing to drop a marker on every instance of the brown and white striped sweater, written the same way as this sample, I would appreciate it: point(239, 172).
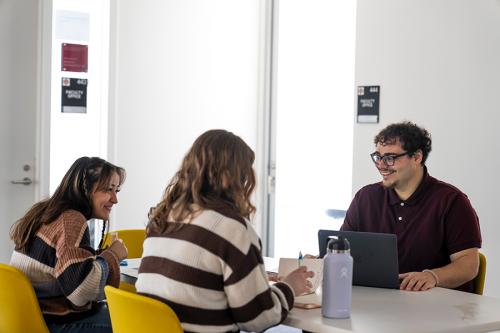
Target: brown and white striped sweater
point(211, 273)
point(67, 276)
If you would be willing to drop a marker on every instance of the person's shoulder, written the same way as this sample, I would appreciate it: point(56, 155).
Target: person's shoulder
point(213, 217)
point(232, 229)
point(73, 216)
point(371, 189)
point(68, 228)
point(444, 188)
point(69, 217)
point(219, 221)
point(72, 222)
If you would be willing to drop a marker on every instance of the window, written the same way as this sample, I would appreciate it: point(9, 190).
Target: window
point(314, 120)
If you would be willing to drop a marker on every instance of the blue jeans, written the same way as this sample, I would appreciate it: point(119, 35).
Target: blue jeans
point(96, 323)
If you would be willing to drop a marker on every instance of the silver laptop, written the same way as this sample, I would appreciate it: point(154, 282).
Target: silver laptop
point(375, 257)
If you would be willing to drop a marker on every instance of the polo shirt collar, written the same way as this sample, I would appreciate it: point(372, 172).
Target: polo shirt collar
point(416, 196)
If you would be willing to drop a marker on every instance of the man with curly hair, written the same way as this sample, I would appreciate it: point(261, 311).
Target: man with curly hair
point(437, 229)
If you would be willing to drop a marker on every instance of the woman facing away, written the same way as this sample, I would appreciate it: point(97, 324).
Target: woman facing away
point(52, 247)
point(201, 255)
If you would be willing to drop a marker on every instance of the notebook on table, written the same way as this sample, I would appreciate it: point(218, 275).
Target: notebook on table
point(309, 300)
point(287, 265)
point(375, 257)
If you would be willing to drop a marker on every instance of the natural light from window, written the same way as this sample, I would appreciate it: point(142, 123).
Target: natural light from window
point(315, 105)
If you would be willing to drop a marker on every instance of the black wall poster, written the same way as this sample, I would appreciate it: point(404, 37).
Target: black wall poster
point(74, 95)
point(368, 104)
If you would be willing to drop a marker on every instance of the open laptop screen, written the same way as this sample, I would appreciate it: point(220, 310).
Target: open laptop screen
point(375, 257)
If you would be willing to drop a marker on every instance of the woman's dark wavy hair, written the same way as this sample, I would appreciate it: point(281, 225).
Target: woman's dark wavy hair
point(215, 174)
point(84, 177)
point(411, 137)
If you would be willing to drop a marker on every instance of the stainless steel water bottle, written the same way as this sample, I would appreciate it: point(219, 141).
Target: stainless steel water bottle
point(337, 279)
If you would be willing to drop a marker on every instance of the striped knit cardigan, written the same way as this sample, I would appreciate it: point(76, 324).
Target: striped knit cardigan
point(211, 273)
point(67, 276)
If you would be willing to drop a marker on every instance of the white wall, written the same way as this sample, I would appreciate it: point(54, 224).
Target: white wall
point(437, 63)
point(178, 68)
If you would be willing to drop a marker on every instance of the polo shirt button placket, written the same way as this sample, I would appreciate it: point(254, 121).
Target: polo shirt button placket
point(400, 218)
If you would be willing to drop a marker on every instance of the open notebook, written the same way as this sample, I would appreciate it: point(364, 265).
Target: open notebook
point(311, 300)
point(287, 265)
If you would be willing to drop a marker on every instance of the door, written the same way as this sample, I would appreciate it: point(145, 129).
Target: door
point(18, 113)
point(35, 147)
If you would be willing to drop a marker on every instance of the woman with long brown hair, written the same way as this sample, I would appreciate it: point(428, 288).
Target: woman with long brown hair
point(52, 247)
point(202, 256)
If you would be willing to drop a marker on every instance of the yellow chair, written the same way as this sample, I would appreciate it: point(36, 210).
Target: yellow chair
point(19, 309)
point(132, 313)
point(132, 238)
point(481, 275)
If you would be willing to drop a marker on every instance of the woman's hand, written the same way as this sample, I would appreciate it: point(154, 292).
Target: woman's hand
point(298, 280)
point(273, 276)
point(119, 249)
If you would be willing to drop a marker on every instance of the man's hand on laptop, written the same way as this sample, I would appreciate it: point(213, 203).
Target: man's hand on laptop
point(417, 281)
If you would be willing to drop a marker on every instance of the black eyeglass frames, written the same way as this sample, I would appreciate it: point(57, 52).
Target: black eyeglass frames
point(387, 159)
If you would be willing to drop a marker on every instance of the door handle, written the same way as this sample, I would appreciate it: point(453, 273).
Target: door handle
point(24, 181)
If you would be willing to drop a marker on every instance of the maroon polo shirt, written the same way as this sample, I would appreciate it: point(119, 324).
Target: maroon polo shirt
point(436, 221)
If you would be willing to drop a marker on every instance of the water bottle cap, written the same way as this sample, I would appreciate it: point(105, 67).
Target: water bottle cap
point(340, 244)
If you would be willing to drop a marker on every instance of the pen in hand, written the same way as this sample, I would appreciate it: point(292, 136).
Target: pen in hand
point(300, 258)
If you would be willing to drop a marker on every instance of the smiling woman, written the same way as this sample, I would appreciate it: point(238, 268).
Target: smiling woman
point(103, 200)
point(53, 248)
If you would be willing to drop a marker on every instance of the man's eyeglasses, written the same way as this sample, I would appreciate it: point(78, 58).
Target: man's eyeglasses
point(387, 159)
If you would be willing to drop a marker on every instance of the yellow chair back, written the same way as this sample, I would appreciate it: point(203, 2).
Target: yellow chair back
point(481, 275)
point(19, 309)
point(132, 313)
point(133, 239)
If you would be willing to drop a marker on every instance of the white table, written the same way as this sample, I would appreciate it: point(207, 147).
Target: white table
point(394, 311)
point(391, 311)
point(129, 273)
